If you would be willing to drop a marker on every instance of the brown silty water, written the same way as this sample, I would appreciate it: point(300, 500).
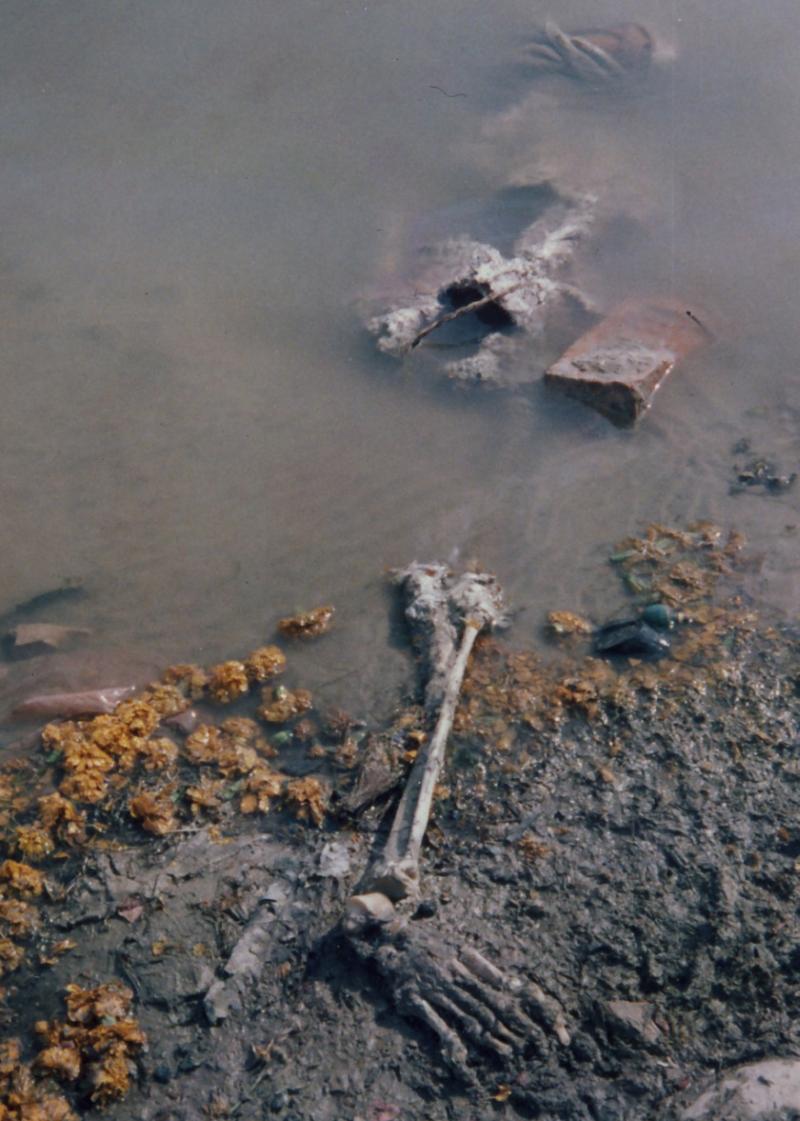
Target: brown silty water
point(193, 420)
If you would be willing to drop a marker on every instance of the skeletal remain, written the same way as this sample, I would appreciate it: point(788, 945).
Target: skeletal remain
point(464, 277)
point(458, 993)
point(596, 57)
point(437, 602)
point(468, 1003)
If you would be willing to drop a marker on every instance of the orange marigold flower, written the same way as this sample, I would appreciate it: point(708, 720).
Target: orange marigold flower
point(9, 1056)
point(20, 917)
point(228, 682)
point(11, 955)
point(110, 1079)
point(88, 786)
point(105, 1036)
point(204, 744)
point(154, 812)
point(282, 704)
point(81, 757)
point(111, 1001)
point(167, 700)
point(240, 729)
point(205, 795)
point(34, 842)
point(191, 680)
point(21, 877)
point(308, 624)
point(60, 815)
point(308, 798)
point(64, 1062)
point(138, 716)
point(264, 663)
point(234, 759)
point(50, 1108)
point(55, 735)
point(261, 787)
point(159, 754)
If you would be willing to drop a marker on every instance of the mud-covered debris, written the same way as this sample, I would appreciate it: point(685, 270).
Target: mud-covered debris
point(619, 364)
point(308, 624)
point(336, 724)
point(334, 860)
point(70, 589)
point(304, 732)
point(753, 1092)
point(510, 297)
point(634, 1019)
point(763, 474)
point(30, 639)
point(379, 773)
point(205, 796)
point(86, 702)
point(63, 819)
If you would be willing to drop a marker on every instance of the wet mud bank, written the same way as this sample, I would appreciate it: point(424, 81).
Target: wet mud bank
point(607, 920)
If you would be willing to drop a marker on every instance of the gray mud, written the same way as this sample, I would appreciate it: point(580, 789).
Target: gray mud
point(642, 858)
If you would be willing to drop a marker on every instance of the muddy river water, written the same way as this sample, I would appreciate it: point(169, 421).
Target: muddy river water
point(192, 420)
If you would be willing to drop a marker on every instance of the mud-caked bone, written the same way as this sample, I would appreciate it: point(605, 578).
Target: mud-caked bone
point(466, 1001)
point(437, 605)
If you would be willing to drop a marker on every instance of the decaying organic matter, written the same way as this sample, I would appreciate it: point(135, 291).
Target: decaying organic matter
point(607, 57)
point(456, 992)
point(607, 914)
point(532, 299)
point(512, 296)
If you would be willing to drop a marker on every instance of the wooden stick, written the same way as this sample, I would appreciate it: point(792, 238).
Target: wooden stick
point(449, 316)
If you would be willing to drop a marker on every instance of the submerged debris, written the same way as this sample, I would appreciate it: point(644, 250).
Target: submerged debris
point(85, 703)
point(618, 365)
point(578, 791)
point(597, 57)
point(511, 296)
point(631, 636)
point(70, 589)
point(30, 639)
point(760, 472)
point(308, 624)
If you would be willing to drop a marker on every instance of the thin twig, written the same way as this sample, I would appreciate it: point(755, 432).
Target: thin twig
point(449, 316)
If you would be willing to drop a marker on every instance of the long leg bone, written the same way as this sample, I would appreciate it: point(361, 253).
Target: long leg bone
point(462, 997)
point(475, 599)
